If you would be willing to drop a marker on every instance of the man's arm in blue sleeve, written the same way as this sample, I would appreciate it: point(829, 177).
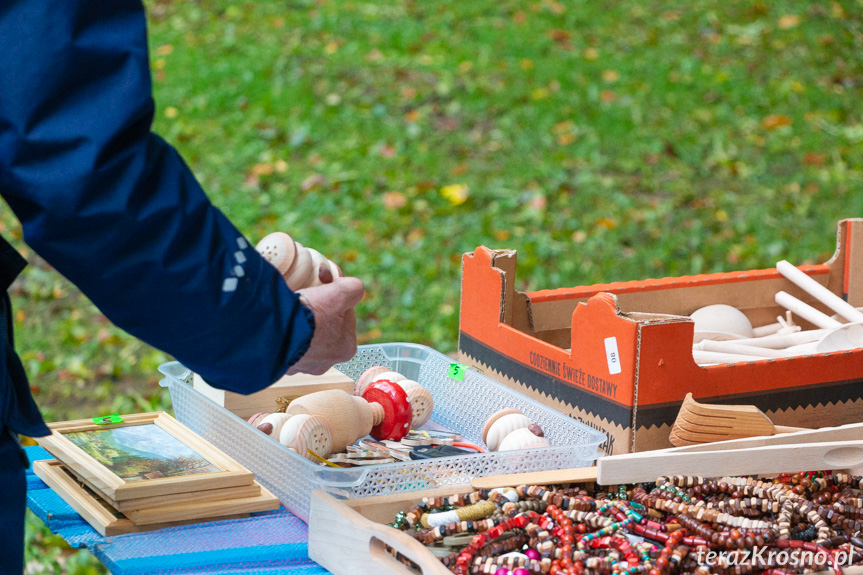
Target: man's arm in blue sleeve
point(116, 210)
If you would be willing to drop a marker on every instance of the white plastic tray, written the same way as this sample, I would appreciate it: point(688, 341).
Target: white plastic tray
point(462, 406)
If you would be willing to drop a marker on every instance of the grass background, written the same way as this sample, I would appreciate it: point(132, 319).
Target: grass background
point(602, 140)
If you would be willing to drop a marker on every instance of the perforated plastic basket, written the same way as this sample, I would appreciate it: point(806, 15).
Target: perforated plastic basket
point(461, 406)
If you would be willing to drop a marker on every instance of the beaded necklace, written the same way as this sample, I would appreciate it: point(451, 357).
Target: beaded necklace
point(652, 529)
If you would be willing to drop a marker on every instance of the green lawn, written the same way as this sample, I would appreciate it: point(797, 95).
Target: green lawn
point(603, 141)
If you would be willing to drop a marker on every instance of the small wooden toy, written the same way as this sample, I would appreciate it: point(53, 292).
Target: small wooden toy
point(301, 267)
point(302, 433)
point(422, 402)
point(509, 429)
point(383, 412)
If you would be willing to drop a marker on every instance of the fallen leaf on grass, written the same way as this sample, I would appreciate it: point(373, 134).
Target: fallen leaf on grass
point(394, 200)
point(814, 159)
point(446, 124)
point(789, 21)
point(387, 151)
point(561, 38)
point(262, 169)
point(606, 223)
point(415, 235)
point(558, 35)
point(313, 181)
point(539, 94)
point(457, 194)
point(775, 121)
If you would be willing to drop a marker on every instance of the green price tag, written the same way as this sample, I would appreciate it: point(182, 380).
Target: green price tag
point(107, 419)
point(457, 371)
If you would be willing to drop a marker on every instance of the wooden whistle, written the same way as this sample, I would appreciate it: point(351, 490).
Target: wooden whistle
point(301, 267)
point(383, 411)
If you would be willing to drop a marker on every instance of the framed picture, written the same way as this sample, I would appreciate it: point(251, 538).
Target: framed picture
point(145, 455)
point(100, 514)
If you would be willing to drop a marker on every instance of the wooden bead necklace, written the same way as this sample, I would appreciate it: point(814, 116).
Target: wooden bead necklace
point(567, 531)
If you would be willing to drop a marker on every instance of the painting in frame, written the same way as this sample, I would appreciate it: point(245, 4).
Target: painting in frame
point(145, 455)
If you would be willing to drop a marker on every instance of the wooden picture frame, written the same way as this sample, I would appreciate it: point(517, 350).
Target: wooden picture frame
point(96, 511)
point(118, 475)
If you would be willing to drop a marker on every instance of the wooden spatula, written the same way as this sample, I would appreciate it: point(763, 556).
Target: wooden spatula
point(705, 423)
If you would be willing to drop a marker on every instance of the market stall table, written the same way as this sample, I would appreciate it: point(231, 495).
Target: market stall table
point(269, 543)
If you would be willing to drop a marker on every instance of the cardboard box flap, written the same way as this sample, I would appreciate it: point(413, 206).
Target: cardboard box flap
point(483, 265)
point(846, 265)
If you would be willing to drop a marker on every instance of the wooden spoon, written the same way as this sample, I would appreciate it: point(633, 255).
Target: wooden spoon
point(704, 423)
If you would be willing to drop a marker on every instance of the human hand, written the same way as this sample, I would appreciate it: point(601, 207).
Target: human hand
point(335, 338)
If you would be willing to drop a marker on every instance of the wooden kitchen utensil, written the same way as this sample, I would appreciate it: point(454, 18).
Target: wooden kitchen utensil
point(819, 292)
point(825, 448)
point(704, 423)
point(647, 466)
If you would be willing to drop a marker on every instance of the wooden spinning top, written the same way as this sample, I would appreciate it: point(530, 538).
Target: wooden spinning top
point(509, 429)
point(383, 412)
point(421, 400)
point(300, 266)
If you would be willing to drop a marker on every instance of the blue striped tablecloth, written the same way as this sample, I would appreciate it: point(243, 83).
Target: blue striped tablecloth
point(269, 543)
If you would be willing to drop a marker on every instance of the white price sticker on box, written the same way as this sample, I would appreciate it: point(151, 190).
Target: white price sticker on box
point(612, 355)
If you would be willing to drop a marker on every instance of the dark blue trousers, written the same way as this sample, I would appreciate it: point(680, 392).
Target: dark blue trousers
point(13, 499)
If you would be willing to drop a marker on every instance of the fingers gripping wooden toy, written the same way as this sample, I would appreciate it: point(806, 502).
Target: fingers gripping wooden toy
point(509, 429)
point(302, 433)
point(301, 267)
point(422, 403)
point(383, 411)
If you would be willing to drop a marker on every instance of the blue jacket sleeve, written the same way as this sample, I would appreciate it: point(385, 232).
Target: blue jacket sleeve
point(114, 208)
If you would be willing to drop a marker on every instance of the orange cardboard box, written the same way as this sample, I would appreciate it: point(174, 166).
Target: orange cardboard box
point(631, 364)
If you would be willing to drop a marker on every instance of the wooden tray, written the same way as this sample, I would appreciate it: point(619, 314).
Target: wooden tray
point(349, 536)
